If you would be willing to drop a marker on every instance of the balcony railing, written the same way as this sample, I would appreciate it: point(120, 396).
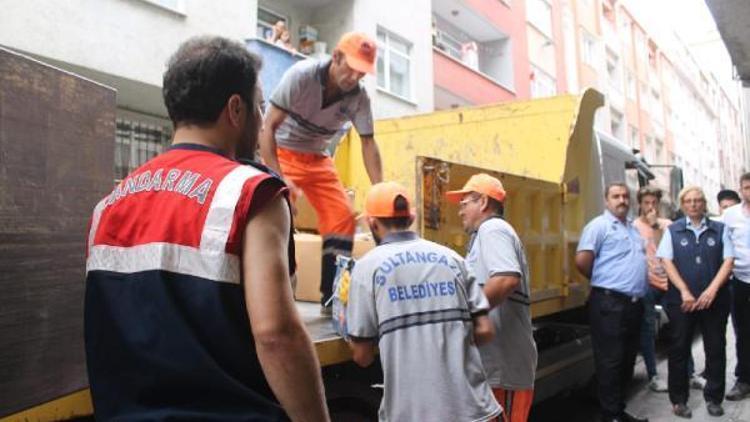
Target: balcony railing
point(276, 61)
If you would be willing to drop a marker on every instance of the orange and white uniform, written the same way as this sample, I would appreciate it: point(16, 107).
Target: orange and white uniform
point(305, 138)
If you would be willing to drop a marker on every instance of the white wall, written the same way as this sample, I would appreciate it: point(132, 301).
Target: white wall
point(128, 38)
point(412, 21)
point(334, 20)
point(121, 43)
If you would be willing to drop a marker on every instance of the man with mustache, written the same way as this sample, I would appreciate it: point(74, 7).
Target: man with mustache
point(611, 254)
point(314, 105)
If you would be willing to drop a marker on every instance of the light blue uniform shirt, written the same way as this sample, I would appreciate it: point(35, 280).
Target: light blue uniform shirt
point(619, 255)
point(666, 250)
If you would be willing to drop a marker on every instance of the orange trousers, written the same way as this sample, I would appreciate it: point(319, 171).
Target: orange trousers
point(516, 404)
point(316, 176)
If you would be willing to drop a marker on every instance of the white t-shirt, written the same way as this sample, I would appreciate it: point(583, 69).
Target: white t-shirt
point(510, 358)
point(737, 222)
point(417, 298)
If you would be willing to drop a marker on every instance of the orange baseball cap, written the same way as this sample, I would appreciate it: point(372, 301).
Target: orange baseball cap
point(359, 50)
point(480, 183)
point(380, 200)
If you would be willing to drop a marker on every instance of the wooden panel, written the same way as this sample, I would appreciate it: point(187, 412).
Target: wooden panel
point(56, 162)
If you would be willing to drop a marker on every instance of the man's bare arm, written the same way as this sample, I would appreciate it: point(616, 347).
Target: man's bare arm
point(274, 118)
point(585, 262)
point(371, 158)
point(484, 331)
point(363, 351)
point(499, 287)
point(284, 348)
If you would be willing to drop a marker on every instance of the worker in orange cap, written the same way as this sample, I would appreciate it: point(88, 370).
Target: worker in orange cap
point(313, 106)
point(497, 258)
point(418, 304)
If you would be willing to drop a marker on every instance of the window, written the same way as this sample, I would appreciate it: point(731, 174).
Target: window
point(447, 43)
point(589, 49)
point(540, 15)
point(649, 149)
point(656, 106)
point(137, 142)
point(394, 64)
point(625, 30)
point(266, 20)
point(630, 89)
point(616, 126)
point(613, 71)
point(645, 103)
point(635, 142)
point(542, 84)
point(658, 151)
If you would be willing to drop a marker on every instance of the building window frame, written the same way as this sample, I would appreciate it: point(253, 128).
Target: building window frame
point(264, 27)
point(589, 49)
point(136, 142)
point(543, 84)
point(539, 18)
point(387, 51)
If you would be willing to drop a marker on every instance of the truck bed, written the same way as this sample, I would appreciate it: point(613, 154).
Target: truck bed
point(331, 348)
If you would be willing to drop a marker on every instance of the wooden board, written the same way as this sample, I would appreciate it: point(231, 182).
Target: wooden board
point(56, 161)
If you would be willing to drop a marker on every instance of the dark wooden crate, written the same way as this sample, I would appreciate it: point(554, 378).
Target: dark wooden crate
point(56, 162)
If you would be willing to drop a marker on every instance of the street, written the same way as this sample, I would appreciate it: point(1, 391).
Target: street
point(581, 407)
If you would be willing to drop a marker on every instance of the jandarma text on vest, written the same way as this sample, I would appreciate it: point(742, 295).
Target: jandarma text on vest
point(159, 181)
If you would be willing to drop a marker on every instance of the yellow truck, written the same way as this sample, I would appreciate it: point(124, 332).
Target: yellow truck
point(554, 166)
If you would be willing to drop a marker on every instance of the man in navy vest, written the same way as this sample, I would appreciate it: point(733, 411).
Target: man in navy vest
point(698, 257)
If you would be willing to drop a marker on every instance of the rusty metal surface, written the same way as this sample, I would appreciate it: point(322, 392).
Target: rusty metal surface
point(56, 153)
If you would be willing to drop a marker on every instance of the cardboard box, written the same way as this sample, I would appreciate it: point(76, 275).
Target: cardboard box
point(306, 218)
point(363, 242)
point(307, 248)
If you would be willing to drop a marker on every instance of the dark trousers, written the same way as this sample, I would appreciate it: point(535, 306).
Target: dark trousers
point(615, 322)
point(741, 302)
point(648, 329)
point(713, 325)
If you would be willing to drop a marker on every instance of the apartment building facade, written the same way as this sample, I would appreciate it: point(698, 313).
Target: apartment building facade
point(433, 54)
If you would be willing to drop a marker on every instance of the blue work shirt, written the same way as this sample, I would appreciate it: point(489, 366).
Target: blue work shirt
point(619, 255)
point(666, 250)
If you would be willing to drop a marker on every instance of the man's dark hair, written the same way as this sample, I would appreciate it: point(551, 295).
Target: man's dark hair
point(649, 191)
point(202, 75)
point(495, 206)
point(400, 204)
point(745, 177)
point(615, 184)
point(725, 194)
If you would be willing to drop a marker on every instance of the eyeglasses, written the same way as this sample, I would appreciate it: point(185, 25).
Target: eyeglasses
point(693, 201)
point(464, 202)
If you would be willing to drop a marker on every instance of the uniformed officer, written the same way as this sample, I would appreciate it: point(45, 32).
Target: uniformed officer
point(189, 312)
point(610, 252)
point(698, 256)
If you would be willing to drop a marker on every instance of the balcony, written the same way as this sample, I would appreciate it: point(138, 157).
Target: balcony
point(314, 29)
point(472, 58)
point(276, 60)
point(459, 85)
